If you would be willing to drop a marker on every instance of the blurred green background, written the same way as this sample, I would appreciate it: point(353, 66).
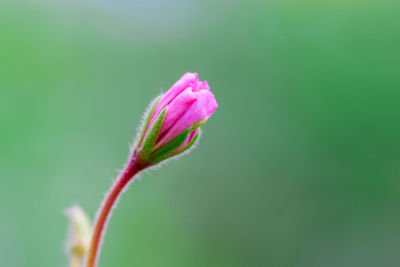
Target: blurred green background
point(299, 166)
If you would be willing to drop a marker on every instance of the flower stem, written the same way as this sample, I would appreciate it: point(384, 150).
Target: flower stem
point(105, 210)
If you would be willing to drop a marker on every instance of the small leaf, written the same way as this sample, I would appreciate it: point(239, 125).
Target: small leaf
point(169, 147)
point(151, 136)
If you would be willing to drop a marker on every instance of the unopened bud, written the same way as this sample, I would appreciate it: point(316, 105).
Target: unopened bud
point(79, 232)
point(172, 125)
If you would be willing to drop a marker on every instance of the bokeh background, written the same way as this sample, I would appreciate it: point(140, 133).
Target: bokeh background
point(299, 166)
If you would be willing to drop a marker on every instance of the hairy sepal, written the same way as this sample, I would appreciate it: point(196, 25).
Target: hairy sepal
point(186, 149)
point(189, 145)
point(150, 137)
point(197, 124)
point(165, 151)
point(146, 119)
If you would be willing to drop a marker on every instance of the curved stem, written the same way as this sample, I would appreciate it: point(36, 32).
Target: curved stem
point(105, 210)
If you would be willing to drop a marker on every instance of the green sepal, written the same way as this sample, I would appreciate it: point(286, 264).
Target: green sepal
point(169, 147)
point(197, 125)
point(151, 111)
point(169, 154)
point(151, 136)
point(190, 144)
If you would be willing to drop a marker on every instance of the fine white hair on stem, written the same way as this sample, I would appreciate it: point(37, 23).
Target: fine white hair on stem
point(133, 146)
point(113, 207)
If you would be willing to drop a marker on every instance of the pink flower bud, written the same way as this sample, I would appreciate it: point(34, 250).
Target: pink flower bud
point(187, 105)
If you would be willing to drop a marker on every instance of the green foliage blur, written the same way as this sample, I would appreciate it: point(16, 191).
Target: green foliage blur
point(299, 166)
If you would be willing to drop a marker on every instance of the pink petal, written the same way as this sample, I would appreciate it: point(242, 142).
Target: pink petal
point(202, 86)
point(187, 80)
point(198, 111)
point(177, 108)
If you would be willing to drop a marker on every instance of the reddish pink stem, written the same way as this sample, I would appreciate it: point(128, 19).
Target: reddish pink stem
point(99, 228)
